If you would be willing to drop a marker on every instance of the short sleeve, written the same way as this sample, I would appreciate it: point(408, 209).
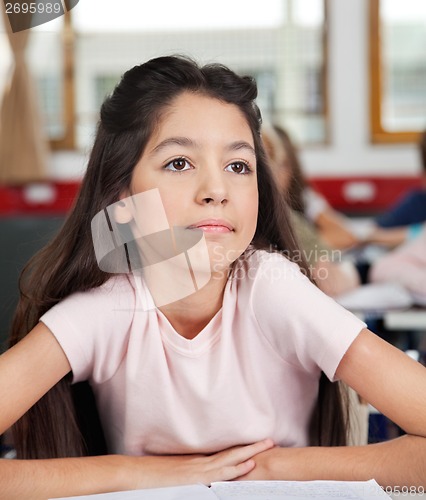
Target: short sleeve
point(306, 327)
point(92, 328)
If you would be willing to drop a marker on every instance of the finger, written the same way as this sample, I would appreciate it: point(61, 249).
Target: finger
point(232, 472)
point(243, 453)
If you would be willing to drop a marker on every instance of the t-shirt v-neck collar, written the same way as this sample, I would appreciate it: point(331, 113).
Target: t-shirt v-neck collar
point(190, 347)
point(202, 341)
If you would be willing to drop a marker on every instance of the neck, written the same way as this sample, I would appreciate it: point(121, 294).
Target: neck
point(191, 314)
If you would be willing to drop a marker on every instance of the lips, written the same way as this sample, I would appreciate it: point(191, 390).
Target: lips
point(213, 226)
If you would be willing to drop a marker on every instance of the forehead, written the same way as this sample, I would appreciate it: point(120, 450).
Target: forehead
point(197, 115)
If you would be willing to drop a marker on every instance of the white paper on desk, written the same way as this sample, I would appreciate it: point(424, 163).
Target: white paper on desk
point(298, 490)
point(191, 492)
point(376, 297)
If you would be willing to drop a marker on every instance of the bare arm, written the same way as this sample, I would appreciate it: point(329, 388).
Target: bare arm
point(399, 462)
point(393, 383)
point(27, 371)
point(31, 368)
point(388, 237)
point(334, 230)
point(40, 479)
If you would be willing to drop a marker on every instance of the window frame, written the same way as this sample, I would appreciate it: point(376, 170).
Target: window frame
point(324, 79)
point(67, 142)
point(378, 134)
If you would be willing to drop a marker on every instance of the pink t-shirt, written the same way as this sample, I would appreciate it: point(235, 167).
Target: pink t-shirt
point(251, 373)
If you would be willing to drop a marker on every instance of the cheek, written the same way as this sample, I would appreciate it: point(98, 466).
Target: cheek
point(250, 210)
point(173, 202)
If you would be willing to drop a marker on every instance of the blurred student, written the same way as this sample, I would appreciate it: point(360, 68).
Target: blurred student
point(406, 265)
point(412, 208)
point(332, 226)
point(404, 220)
point(333, 276)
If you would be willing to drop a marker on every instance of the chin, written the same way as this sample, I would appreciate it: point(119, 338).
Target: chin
point(222, 256)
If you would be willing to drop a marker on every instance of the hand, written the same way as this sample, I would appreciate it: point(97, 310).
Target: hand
point(190, 469)
point(230, 464)
point(264, 461)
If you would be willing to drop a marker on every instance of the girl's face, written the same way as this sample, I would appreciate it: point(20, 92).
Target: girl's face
point(201, 158)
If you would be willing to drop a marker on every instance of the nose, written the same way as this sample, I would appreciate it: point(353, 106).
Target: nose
point(212, 189)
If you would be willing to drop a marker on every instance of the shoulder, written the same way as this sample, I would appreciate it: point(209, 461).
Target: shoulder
point(298, 319)
point(92, 326)
point(263, 275)
point(113, 302)
point(262, 265)
point(117, 288)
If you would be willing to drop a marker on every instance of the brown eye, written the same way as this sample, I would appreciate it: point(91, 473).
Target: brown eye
point(178, 165)
point(238, 167)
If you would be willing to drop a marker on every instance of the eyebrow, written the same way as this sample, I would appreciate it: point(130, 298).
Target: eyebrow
point(185, 141)
point(174, 141)
point(238, 145)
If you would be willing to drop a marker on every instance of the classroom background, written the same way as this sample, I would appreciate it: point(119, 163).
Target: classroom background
point(346, 78)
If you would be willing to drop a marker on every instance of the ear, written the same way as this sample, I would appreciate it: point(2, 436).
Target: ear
point(122, 210)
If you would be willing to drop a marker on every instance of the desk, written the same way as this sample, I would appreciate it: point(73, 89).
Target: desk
point(397, 319)
point(256, 490)
point(389, 302)
point(411, 319)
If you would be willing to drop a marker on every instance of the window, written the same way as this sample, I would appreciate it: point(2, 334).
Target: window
point(283, 46)
point(398, 70)
point(51, 96)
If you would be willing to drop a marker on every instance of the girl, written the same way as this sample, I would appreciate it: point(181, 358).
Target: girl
point(201, 388)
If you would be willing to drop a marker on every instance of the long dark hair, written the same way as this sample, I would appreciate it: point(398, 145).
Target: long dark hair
point(68, 264)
